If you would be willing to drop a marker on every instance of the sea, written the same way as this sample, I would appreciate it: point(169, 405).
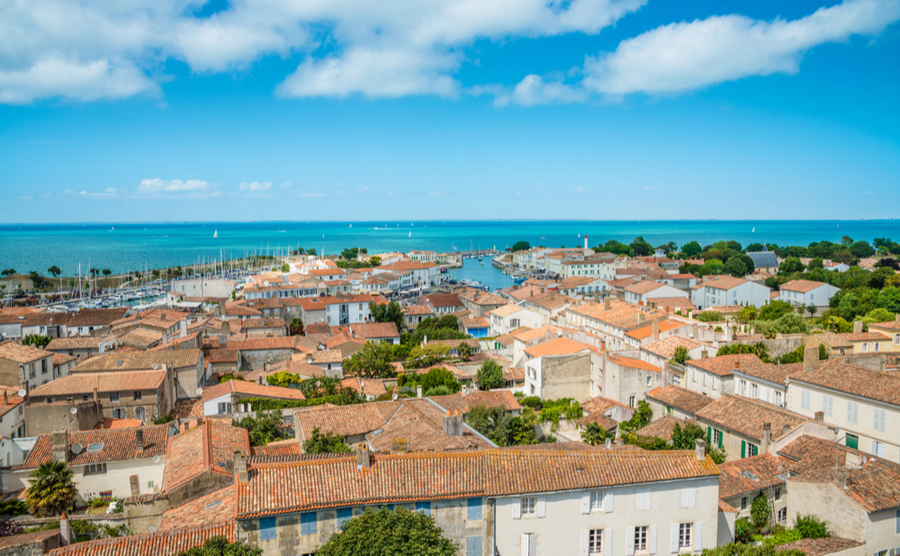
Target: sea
point(125, 247)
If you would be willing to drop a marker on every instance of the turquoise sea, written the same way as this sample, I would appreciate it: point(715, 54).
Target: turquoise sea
point(126, 247)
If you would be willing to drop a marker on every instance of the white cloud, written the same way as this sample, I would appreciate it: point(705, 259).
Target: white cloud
point(286, 185)
point(157, 186)
point(578, 189)
point(684, 56)
point(534, 90)
point(256, 186)
point(111, 190)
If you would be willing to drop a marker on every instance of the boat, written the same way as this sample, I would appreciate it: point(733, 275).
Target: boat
point(753, 230)
point(482, 264)
point(410, 234)
point(351, 225)
point(444, 270)
point(216, 234)
point(518, 280)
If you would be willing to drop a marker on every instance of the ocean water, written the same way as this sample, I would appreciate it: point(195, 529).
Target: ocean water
point(127, 247)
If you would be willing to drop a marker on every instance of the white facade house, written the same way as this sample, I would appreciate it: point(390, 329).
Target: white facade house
point(806, 293)
point(202, 287)
point(728, 290)
point(507, 318)
point(647, 290)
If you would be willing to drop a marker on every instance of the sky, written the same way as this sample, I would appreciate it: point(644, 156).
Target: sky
point(244, 110)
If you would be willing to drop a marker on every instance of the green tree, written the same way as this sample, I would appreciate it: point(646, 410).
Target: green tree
point(684, 436)
point(350, 254)
point(391, 312)
point(54, 271)
point(493, 422)
point(594, 434)
point(385, 532)
point(283, 379)
point(691, 249)
point(639, 419)
point(758, 349)
point(327, 443)
point(264, 428)
point(774, 310)
point(285, 268)
point(521, 246)
point(640, 247)
point(374, 261)
point(52, 491)
point(817, 262)
point(372, 361)
point(790, 265)
point(811, 309)
point(791, 323)
point(861, 250)
point(681, 355)
point(490, 375)
point(735, 267)
point(36, 340)
point(7, 272)
point(296, 327)
point(219, 546)
point(760, 512)
point(107, 272)
point(754, 248)
point(464, 351)
point(427, 355)
point(743, 531)
point(881, 278)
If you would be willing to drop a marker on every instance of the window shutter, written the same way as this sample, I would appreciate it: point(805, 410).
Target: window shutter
point(585, 539)
point(698, 536)
point(517, 509)
point(693, 497)
point(267, 529)
point(709, 435)
point(526, 542)
point(607, 542)
point(424, 507)
point(586, 503)
point(743, 449)
point(541, 506)
point(474, 509)
point(532, 544)
point(629, 541)
point(608, 501)
point(470, 546)
point(720, 439)
point(476, 541)
point(673, 544)
point(651, 542)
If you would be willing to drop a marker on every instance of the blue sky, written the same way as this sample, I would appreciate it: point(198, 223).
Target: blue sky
point(346, 109)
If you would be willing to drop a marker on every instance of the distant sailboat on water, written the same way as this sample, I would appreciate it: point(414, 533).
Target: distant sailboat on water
point(216, 234)
point(351, 225)
point(410, 234)
point(753, 230)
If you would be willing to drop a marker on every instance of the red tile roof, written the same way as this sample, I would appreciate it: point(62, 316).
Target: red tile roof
point(177, 359)
point(558, 346)
point(85, 383)
point(208, 447)
point(801, 286)
point(159, 543)
point(680, 398)
point(821, 546)
point(114, 445)
point(215, 507)
point(723, 365)
point(748, 417)
point(854, 380)
point(14, 351)
point(663, 427)
point(667, 346)
point(251, 389)
point(634, 363)
point(751, 474)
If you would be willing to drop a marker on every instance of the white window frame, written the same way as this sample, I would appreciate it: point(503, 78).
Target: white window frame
point(529, 506)
point(595, 542)
point(641, 538)
point(685, 536)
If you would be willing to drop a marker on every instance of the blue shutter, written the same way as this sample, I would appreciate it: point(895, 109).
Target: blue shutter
point(343, 516)
point(267, 529)
point(424, 507)
point(473, 546)
point(474, 508)
point(308, 523)
point(390, 507)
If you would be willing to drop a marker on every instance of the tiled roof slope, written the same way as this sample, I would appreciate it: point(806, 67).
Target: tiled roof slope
point(279, 488)
point(209, 447)
point(160, 543)
point(15, 351)
point(820, 547)
point(854, 380)
point(140, 360)
point(680, 398)
point(750, 475)
point(215, 507)
point(723, 365)
point(118, 445)
point(747, 416)
point(85, 383)
point(663, 427)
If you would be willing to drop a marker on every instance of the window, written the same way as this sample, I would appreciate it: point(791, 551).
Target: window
point(43, 366)
point(95, 447)
point(474, 509)
point(137, 396)
point(649, 381)
point(49, 400)
point(782, 515)
point(267, 529)
point(852, 412)
point(343, 516)
point(879, 420)
point(595, 542)
point(642, 499)
point(140, 414)
point(118, 413)
point(528, 505)
point(308, 523)
point(878, 449)
point(114, 397)
point(424, 507)
point(31, 371)
point(640, 538)
point(685, 531)
point(631, 401)
point(596, 501)
point(473, 546)
point(704, 379)
point(224, 408)
point(778, 400)
point(95, 469)
point(744, 503)
point(743, 387)
point(804, 399)
point(754, 391)
point(827, 405)
point(777, 494)
point(717, 438)
point(688, 497)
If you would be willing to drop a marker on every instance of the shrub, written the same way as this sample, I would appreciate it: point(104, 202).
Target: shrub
point(811, 527)
point(760, 512)
point(743, 530)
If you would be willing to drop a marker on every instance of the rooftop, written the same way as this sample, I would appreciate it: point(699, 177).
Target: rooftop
point(747, 416)
point(751, 474)
point(801, 286)
point(160, 543)
point(101, 446)
point(834, 375)
point(680, 398)
point(208, 447)
point(86, 383)
point(14, 351)
point(723, 365)
point(667, 346)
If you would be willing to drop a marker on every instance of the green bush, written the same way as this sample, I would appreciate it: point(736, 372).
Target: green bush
point(743, 530)
point(811, 527)
point(761, 512)
point(708, 316)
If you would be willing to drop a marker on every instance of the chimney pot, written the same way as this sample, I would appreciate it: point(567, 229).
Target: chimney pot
point(162, 317)
point(820, 416)
point(700, 449)
point(240, 467)
point(606, 304)
point(418, 390)
point(362, 456)
point(65, 534)
point(811, 358)
point(139, 439)
point(704, 354)
point(857, 327)
point(60, 446)
point(840, 478)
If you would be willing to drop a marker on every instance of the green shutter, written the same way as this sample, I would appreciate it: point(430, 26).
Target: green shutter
point(709, 435)
point(852, 441)
point(743, 449)
point(720, 439)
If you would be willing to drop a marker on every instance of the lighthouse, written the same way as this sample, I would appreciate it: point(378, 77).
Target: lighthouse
point(585, 242)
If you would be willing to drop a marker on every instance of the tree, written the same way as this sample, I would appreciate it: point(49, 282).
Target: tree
point(264, 428)
point(861, 250)
point(774, 310)
point(812, 309)
point(735, 267)
point(374, 261)
point(7, 272)
point(641, 417)
point(889, 298)
point(52, 491)
point(296, 327)
point(691, 249)
point(386, 532)
point(790, 265)
point(521, 246)
point(640, 247)
point(811, 527)
point(754, 248)
point(372, 361)
point(492, 422)
point(817, 262)
point(427, 355)
point(681, 355)
point(684, 436)
point(464, 351)
point(594, 434)
point(95, 272)
point(107, 272)
point(760, 512)
point(285, 268)
point(36, 340)
point(327, 443)
point(54, 271)
point(350, 254)
point(219, 546)
point(392, 312)
point(490, 375)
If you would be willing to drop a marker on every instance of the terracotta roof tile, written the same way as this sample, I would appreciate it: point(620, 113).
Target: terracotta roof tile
point(159, 543)
point(821, 546)
point(634, 363)
point(85, 383)
point(750, 475)
point(114, 445)
point(177, 359)
point(14, 351)
point(667, 346)
point(208, 447)
point(723, 365)
point(663, 427)
point(444, 300)
point(251, 389)
point(747, 416)
point(854, 380)
point(777, 374)
point(215, 507)
point(558, 346)
point(801, 286)
point(79, 342)
point(680, 398)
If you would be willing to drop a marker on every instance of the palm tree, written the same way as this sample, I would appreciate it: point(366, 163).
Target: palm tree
point(52, 491)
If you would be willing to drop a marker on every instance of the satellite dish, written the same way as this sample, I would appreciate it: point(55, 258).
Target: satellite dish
point(21, 393)
point(73, 411)
point(199, 391)
point(608, 443)
point(155, 459)
point(395, 396)
point(77, 448)
point(155, 366)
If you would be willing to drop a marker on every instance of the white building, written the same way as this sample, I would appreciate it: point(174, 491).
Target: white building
point(648, 290)
point(806, 293)
point(202, 287)
point(728, 290)
point(507, 318)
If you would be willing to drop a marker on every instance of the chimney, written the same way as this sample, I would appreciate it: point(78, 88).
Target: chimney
point(65, 534)
point(811, 358)
point(700, 449)
point(223, 341)
point(5, 398)
point(399, 446)
point(606, 303)
point(840, 478)
point(704, 354)
point(641, 316)
point(785, 429)
point(695, 331)
point(854, 459)
point(162, 317)
point(362, 456)
point(857, 327)
point(226, 328)
point(418, 390)
point(820, 416)
point(767, 438)
point(60, 446)
point(183, 328)
point(139, 439)
point(737, 364)
point(453, 423)
point(240, 467)
point(655, 331)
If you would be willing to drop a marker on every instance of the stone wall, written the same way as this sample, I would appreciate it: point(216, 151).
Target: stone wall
point(256, 359)
point(48, 418)
point(144, 513)
point(567, 376)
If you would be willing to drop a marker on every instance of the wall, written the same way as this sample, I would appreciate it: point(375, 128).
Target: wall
point(775, 505)
point(48, 418)
point(256, 359)
point(566, 376)
point(725, 532)
point(620, 382)
point(560, 531)
point(844, 518)
point(777, 346)
point(118, 478)
point(144, 514)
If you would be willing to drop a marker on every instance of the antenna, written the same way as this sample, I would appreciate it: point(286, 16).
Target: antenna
point(73, 411)
point(21, 393)
point(395, 396)
point(155, 366)
point(77, 448)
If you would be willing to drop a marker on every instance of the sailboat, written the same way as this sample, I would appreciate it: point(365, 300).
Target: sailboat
point(410, 234)
point(215, 234)
point(351, 225)
point(753, 230)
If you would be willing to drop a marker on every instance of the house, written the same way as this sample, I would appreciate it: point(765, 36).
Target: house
point(835, 266)
point(728, 290)
point(108, 463)
point(187, 366)
point(805, 293)
point(863, 404)
point(12, 414)
point(767, 383)
point(681, 281)
point(628, 380)
point(648, 290)
point(653, 332)
point(582, 286)
point(610, 320)
point(82, 347)
point(742, 481)
point(25, 366)
point(560, 368)
point(891, 329)
point(135, 394)
point(442, 303)
point(713, 376)
point(659, 353)
point(63, 325)
point(480, 303)
point(764, 261)
point(507, 318)
point(338, 311)
point(607, 413)
point(159, 543)
point(254, 354)
point(676, 401)
point(742, 427)
point(476, 327)
point(424, 274)
point(167, 323)
point(549, 304)
point(141, 339)
point(588, 502)
point(868, 342)
point(413, 315)
point(200, 287)
point(372, 331)
point(264, 327)
point(63, 363)
point(225, 398)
